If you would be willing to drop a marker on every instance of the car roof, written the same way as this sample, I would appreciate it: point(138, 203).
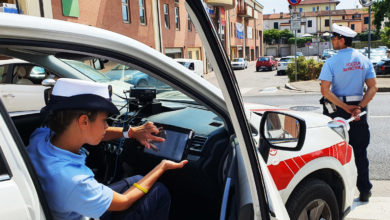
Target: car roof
point(31, 28)
point(12, 61)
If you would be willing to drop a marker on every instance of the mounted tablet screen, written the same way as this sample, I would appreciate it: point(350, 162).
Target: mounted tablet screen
point(175, 144)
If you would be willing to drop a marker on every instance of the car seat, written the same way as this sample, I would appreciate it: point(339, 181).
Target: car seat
point(22, 75)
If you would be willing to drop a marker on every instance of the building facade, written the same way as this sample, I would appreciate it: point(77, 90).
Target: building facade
point(161, 24)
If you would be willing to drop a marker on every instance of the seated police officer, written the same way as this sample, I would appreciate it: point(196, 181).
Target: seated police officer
point(346, 73)
point(77, 114)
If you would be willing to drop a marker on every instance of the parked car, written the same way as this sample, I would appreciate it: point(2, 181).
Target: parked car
point(239, 63)
point(283, 64)
point(328, 53)
point(235, 167)
point(195, 65)
point(299, 54)
point(383, 67)
point(21, 84)
point(267, 62)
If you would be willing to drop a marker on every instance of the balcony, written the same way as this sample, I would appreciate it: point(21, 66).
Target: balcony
point(227, 4)
point(244, 10)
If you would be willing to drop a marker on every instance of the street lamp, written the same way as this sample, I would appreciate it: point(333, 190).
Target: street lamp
point(368, 3)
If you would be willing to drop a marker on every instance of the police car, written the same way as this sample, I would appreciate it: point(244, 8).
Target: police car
point(283, 164)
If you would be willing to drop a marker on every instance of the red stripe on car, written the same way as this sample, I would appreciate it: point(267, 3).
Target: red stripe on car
point(283, 172)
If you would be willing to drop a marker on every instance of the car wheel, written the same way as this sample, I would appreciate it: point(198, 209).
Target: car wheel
point(142, 83)
point(277, 73)
point(313, 199)
point(257, 69)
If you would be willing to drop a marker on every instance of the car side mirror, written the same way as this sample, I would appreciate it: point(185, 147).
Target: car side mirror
point(48, 82)
point(279, 130)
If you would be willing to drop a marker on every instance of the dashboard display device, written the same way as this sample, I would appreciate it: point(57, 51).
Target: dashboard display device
point(175, 144)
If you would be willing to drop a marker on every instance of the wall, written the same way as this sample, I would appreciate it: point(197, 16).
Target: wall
point(322, 7)
point(107, 14)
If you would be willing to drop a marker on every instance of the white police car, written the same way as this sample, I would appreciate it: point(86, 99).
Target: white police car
point(309, 163)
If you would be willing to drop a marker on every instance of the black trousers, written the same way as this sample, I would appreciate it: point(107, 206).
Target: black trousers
point(152, 206)
point(359, 138)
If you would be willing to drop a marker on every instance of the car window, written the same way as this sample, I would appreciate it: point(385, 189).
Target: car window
point(4, 173)
point(3, 73)
point(263, 59)
point(27, 74)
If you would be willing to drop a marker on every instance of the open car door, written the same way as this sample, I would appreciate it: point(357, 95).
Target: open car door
point(263, 200)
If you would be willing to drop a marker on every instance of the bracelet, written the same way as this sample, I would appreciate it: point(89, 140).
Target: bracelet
point(361, 107)
point(144, 190)
point(126, 133)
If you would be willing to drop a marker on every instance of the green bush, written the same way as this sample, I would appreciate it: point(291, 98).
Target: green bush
point(307, 69)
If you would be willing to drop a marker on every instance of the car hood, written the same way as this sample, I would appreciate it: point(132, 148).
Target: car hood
point(312, 119)
point(237, 62)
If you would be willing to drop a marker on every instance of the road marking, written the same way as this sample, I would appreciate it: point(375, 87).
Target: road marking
point(269, 90)
point(245, 90)
point(379, 116)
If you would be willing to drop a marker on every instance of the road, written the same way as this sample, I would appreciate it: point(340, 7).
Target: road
point(268, 88)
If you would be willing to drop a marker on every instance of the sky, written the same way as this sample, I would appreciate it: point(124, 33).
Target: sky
point(282, 5)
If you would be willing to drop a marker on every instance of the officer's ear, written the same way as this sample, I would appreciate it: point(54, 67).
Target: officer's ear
point(83, 121)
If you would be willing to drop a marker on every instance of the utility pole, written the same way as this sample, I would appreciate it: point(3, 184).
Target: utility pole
point(368, 3)
point(330, 23)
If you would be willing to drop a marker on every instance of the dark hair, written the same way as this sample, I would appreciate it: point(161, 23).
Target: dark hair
point(58, 121)
point(348, 41)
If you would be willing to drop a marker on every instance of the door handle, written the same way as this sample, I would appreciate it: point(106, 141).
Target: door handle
point(9, 95)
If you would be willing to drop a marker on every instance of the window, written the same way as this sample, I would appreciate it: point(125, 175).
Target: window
point(300, 9)
point(353, 26)
point(299, 31)
point(366, 20)
point(177, 1)
point(142, 16)
point(166, 16)
point(309, 23)
point(197, 55)
point(70, 8)
point(189, 23)
point(314, 9)
point(177, 18)
point(343, 17)
point(125, 11)
point(189, 54)
point(327, 8)
point(4, 174)
point(326, 22)
point(276, 25)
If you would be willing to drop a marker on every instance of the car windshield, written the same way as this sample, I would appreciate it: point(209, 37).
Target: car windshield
point(186, 64)
point(138, 78)
point(263, 59)
point(238, 60)
point(285, 59)
point(88, 71)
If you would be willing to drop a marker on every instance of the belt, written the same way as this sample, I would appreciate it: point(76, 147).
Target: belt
point(355, 98)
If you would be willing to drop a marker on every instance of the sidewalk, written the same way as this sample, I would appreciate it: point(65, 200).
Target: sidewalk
point(383, 84)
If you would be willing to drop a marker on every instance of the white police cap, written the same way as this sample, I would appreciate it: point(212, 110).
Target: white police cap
point(80, 95)
point(343, 30)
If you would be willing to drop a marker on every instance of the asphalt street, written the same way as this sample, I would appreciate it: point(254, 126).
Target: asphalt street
point(267, 88)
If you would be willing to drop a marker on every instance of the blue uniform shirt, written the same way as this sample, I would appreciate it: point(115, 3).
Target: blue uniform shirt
point(69, 185)
point(347, 71)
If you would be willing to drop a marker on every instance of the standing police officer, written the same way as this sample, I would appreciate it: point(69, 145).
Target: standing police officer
point(345, 73)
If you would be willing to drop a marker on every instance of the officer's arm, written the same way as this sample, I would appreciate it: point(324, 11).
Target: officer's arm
point(325, 91)
point(123, 201)
point(371, 91)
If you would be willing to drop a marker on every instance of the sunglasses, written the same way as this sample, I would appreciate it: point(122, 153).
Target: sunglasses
point(334, 35)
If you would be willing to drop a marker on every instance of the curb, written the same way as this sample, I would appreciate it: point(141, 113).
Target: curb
point(289, 86)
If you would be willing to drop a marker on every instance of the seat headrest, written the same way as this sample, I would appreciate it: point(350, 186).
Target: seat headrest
point(21, 72)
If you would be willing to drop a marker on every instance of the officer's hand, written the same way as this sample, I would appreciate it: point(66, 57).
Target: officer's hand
point(350, 108)
point(355, 113)
point(144, 135)
point(170, 165)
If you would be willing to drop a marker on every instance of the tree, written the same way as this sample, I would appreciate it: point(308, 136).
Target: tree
point(272, 36)
point(381, 10)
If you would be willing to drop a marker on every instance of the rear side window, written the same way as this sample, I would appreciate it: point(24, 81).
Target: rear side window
point(4, 174)
point(3, 73)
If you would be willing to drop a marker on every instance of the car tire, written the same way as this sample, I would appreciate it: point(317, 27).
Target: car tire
point(142, 83)
point(257, 69)
point(278, 73)
point(310, 197)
